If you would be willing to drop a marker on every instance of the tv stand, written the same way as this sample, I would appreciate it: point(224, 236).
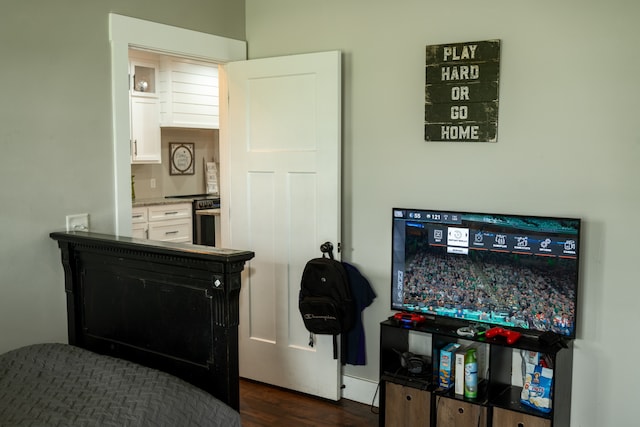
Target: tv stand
point(411, 400)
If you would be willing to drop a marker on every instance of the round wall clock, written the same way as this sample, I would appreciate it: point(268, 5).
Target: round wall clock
point(182, 158)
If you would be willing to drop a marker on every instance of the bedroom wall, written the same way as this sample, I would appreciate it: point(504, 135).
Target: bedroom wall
point(568, 145)
point(56, 142)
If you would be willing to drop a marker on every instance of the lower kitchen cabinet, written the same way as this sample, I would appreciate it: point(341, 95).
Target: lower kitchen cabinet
point(140, 230)
point(172, 230)
point(407, 406)
point(139, 223)
point(164, 222)
point(506, 418)
point(454, 413)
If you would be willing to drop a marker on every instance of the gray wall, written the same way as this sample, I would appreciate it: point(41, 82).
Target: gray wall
point(56, 139)
point(568, 145)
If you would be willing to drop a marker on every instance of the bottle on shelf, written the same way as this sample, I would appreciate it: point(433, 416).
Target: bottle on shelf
point(471, 374)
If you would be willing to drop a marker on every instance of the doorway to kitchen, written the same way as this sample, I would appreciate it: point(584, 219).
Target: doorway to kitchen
point(126, 33)
point(175, 154)
point(321, 137)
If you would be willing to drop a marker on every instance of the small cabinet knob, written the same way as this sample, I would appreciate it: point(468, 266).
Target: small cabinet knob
point(408, 397)
point(461, 410)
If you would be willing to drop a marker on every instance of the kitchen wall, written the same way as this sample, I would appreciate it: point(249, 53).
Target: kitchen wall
point(206, 149)
point(568, 144)
point(57, 141)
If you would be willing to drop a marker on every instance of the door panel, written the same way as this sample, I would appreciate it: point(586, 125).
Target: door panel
point(283, 203)
point(263, 289)
point(288, 97)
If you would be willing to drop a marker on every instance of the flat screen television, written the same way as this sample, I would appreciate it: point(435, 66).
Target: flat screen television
point(515, 271)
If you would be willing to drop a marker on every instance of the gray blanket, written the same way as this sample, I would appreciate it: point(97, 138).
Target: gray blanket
point(63, 385)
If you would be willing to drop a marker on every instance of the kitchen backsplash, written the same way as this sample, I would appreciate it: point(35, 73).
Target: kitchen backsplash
point(157, 175)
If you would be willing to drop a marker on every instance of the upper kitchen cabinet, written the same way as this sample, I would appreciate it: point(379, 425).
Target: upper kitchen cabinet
point(189, 95)
point(144, 107)
point(145, 130)
point(144, 79)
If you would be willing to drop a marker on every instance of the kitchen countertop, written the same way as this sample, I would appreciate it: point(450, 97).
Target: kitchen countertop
point(158, 201)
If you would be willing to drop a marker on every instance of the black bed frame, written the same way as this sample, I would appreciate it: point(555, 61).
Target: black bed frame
point(169, 306)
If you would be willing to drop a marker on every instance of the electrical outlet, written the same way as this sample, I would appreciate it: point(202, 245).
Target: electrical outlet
point(153, 182)
point(78, 222)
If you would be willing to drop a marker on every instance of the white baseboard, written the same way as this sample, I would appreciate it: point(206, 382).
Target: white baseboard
point(360, 390)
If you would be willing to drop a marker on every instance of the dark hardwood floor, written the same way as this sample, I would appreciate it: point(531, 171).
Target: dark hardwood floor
point(264, 405)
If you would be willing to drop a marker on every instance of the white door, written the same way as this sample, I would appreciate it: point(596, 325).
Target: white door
point(283, 201)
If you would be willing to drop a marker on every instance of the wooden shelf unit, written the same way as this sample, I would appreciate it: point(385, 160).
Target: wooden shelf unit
point(498, 402)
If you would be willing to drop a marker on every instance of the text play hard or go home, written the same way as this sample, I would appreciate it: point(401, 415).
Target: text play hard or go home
point(461, 92)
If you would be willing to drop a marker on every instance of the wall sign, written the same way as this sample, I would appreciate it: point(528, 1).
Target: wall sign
point(461, 92)
point(181, 155)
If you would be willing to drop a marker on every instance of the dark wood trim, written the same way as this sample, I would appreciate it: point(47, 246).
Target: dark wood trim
point(173, 307)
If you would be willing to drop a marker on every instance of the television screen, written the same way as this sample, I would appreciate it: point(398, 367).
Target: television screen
point(515, 271)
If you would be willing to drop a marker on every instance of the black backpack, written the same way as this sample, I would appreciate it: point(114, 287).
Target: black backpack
point(325, 300)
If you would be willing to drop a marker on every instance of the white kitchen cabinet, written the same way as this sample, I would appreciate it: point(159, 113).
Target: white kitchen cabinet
point(143, 70)
point(145, 130)
point(140, 231)
point(145, 108)
point(169, 211)
point(164, 222)
point(139, 226)
point(189, 94)
point(173, 230)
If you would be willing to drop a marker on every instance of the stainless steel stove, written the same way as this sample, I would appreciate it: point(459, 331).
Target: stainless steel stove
point(204, 219)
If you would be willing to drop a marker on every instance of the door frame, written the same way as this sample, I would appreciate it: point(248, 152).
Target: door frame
point(126, 32)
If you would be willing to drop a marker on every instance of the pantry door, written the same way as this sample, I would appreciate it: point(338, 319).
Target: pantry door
point(282, 151)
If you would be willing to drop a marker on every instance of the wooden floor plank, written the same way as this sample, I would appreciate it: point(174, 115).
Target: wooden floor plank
point(262, 405)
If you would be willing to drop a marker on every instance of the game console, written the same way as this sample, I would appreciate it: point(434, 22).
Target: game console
point(511, 336)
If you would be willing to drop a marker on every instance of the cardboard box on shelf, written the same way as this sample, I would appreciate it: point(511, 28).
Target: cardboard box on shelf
point(446, 369)
point(459, 369)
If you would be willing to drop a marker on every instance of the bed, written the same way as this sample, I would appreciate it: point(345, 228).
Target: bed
point(153, 339)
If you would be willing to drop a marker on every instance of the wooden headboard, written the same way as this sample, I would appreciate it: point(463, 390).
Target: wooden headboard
point(170, 306)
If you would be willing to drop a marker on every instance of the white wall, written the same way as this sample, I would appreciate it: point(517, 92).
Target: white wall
point(568, 145)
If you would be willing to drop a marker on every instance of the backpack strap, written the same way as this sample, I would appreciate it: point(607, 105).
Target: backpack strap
point(335, 343)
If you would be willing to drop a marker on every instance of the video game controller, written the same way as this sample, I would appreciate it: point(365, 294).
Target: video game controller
point(413, 318)
point(471, 331)
point(511, 336)
point(466, 332)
